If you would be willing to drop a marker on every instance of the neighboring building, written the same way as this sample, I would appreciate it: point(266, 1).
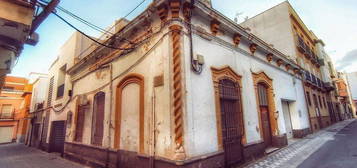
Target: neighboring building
point(19, 20)
point(39, 83)
point(166, 93)
point(329, 75)
point(15, 98)
point(51, 121)
point(281, 27)
point(344, 95)
point(352, 82)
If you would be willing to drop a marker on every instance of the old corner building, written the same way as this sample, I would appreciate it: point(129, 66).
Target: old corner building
point(180, 86)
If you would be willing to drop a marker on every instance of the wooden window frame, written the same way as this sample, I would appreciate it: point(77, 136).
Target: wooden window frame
point(137, 79)
point(218, 74)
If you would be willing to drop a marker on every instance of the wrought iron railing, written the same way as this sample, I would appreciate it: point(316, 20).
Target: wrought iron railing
point(301, 45)
point(313, 79)
point(307, 76)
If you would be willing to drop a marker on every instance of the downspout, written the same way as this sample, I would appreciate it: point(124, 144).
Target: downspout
point(153, 133)
point(195, 66)
point(110, 113)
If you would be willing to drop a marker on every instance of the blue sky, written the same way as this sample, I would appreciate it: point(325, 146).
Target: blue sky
point(334, 21)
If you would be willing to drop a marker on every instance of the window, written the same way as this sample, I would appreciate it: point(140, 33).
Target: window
point(6, 111)
point(308, 98)
point(9, 88)
point(61, 81)
point(320, 101)
point(98, 118)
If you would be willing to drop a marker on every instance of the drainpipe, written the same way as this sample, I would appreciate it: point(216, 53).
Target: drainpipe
point(153, 133)
point(110, 113)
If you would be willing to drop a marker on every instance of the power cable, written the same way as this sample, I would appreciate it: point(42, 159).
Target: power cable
point(93, 26)
point(91, 38)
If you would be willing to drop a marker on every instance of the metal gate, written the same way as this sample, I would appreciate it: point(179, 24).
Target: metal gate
point(57, 137)
point(231, 126)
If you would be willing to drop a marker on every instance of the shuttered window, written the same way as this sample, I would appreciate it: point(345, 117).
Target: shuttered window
point(262, 93)
point(50, 92)
point(80, 123)
point(6, 110)
point(98, 118)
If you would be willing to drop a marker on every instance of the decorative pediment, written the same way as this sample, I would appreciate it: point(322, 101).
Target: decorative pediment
point(262, 77)
point(225, 72)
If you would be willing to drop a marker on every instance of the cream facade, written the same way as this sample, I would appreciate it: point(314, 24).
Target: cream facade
point(158, 97)
point(281, 27)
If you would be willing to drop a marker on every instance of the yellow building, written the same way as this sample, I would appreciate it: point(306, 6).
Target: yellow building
point(15, 98)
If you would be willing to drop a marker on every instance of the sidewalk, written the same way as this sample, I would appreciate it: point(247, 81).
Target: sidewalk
point(16, 155)
point(294, 154)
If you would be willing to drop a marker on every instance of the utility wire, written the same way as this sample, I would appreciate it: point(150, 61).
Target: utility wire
point(91, 38)
point(93, 26)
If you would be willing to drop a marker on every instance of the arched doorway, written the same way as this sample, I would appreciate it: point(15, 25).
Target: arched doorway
point(231, 132)
point(229, 114)
point(264, 114)
point(268, 124)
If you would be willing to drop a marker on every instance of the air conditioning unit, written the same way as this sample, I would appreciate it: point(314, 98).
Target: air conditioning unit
point(83, 100)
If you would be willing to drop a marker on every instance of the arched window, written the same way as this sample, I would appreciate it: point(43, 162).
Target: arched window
point(98, 118)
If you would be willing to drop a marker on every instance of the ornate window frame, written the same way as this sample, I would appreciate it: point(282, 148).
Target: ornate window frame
point(263, 78)
point(218, 74)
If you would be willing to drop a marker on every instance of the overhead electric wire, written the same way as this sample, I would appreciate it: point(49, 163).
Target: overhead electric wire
point(91, 38)
point(93, 26)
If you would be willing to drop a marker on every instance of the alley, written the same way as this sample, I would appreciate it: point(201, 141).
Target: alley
point(329, 148)
point(20, 156)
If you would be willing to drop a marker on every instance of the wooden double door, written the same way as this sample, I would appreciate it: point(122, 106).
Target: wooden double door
point(231, 124)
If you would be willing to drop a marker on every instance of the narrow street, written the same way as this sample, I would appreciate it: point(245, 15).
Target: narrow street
point(20, 156)
point(332, 147)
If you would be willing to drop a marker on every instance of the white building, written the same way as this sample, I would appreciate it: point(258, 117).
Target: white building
point(191, 88)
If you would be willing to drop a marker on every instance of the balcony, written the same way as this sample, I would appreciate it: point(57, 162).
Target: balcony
point(307, 76)
point(301, 45)
point(319, 83)
point(329, 86)
point(7, 116)
point(313, 79)
point(308, 53)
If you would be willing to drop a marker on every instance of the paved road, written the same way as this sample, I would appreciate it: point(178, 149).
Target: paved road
point(340, 152)
point(332, 147)
point(20, 156)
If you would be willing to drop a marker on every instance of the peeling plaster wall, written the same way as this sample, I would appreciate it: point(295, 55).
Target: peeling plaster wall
point(157, 99)
point(201, 128)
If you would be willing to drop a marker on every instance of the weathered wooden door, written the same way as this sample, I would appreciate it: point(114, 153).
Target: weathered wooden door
point(317, 111)
point(231, 131)
point(58, 132)
point(264, 114)
point(98, 118)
